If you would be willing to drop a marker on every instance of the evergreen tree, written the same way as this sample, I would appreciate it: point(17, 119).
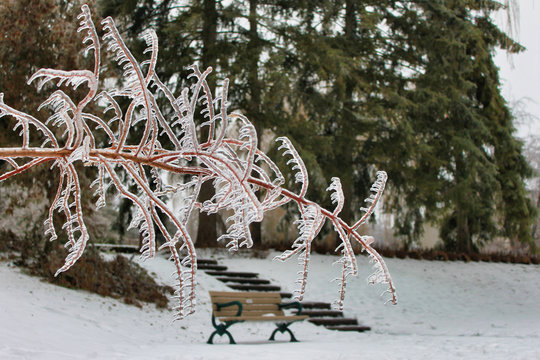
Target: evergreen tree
point(338, 92)
point(409, 87)
point(467, 168)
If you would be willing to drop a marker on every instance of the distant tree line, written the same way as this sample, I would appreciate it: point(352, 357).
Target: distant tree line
point(409, 87)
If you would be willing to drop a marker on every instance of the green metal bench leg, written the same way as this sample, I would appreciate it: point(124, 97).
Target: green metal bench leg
point(283, 328)
point(221, 332)
point(221, 329)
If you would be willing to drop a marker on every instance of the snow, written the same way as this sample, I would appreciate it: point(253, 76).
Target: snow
point(446, 310)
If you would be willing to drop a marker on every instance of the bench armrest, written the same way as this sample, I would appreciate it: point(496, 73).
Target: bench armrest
point(232, 303)
point(295, 304)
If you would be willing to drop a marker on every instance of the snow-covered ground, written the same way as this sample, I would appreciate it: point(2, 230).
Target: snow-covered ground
point(446, 311)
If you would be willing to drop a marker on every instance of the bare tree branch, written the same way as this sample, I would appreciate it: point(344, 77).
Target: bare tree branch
point(229, 158)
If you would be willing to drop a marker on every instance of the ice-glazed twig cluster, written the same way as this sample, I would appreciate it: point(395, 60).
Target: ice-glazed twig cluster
point(147, 139)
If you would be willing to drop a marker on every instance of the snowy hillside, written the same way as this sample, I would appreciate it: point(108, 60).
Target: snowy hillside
point(446, 311)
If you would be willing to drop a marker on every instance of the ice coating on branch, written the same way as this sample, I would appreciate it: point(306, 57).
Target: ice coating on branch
point(337, 195)
point(86, 25)
point(133, 88)
point(346, 271)
point(101, 188)
point(74, 224)
point(247, 183)
point(301, 175)
point(74, 78)
point(309, 226)
point(239, 197)
point(151, 39)
point(377, 189)
point(347, 260)
point(24, 121)
point(142, 220)
point(381, 275)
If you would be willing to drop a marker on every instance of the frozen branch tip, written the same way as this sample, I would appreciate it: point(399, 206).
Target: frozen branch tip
point(168, 140)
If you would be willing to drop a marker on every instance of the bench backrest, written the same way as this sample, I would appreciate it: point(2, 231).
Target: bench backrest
point(253, 303)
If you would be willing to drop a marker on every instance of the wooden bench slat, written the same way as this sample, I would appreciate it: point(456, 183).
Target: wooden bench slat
point(247, 313)
point(264, 318)
point(275, 298)
point(268, 307)
point(247, 302)
point(244, 294)
point(249, 307)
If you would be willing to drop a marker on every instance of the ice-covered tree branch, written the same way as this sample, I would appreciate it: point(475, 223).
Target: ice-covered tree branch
point(144, 138)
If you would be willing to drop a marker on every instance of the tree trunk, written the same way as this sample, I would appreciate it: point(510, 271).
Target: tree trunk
point(345, 137)
point(207, 230)
point(255, 89)
point(535, 225)
point(463, 235)
point(463, 238)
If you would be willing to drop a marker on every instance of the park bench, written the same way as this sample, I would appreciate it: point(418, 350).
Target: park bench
point(229, 308)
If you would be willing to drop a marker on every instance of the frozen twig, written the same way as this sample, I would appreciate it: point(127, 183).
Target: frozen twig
point(230, 160)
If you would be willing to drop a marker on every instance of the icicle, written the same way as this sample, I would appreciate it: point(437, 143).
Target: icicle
point(301, 176)
point(229, 158)
point(377, 189)
point(309, 226)
point(337, 195)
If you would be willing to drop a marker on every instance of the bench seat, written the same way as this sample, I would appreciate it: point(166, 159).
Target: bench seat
point(264, 318)
point(231, 307)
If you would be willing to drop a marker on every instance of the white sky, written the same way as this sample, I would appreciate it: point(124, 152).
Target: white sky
point(520, 74)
